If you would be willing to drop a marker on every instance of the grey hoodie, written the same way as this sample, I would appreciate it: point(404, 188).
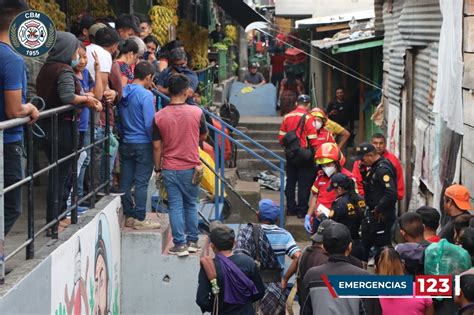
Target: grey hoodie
point(62, 51)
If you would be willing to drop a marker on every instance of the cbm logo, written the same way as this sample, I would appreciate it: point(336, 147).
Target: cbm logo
point(32, 33)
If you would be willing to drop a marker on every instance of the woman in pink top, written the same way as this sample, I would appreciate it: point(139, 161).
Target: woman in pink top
point(388, 263)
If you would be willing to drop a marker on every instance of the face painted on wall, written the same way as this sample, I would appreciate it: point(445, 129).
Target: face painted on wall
point(100, 285)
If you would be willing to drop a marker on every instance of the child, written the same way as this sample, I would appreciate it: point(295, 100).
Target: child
point(88, 87)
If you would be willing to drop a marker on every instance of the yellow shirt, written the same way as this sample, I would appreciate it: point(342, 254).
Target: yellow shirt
point(333, 127)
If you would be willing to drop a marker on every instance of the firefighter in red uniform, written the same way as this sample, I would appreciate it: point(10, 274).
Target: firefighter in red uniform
point(328, 157)
point(380, 143)
point(319, 122)
point(299, 138)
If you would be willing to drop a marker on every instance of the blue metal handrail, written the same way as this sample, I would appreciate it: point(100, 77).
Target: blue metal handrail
point(219, 158)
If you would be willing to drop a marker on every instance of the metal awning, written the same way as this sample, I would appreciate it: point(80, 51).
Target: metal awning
point(335, 19)
point(347, 45)
point(241, 12)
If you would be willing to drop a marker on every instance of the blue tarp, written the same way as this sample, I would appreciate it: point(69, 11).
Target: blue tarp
point(259, 101)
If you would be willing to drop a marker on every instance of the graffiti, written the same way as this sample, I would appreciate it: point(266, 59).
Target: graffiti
point(86, 268)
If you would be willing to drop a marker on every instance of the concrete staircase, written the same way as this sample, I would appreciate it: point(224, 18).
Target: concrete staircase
point(265, 131)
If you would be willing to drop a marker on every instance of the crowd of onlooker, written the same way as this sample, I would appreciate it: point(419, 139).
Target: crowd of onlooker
point(112, 72)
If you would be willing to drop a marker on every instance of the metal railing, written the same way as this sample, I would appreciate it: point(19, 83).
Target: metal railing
point(207, 78)
point(54, 115)
point(219, 155)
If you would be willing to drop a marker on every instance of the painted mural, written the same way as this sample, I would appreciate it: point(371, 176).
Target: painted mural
point(92, 286)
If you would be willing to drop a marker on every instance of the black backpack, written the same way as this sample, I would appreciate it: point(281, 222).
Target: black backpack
point(291, 144)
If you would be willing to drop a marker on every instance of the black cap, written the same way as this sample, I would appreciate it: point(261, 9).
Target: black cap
point(128, 21)
point(363, 149)
point(336, 238)
point(318, 236)
point(303, 98)
point(221, 235)
point(340, 180)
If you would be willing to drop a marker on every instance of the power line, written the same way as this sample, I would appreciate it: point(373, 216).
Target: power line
point(326, 55)
point(376, 86)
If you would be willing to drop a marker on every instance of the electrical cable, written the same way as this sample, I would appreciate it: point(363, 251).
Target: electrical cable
point(320, 50)
point(326, 63)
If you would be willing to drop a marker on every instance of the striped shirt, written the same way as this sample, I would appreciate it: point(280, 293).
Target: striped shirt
point(282, 242)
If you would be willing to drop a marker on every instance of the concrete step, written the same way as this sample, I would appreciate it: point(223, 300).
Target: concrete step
point(231, 175)
point(274, 126)
point(259, 135)
point(272, 144)
point(250, 191)
point(255, 164)
point(296, 227)
point(242, 154)
point(145, 253)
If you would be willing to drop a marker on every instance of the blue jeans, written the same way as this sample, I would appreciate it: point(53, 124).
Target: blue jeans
point(182, 204)
point(99, 135)
point(85, 164)
point(137, 167)
point(13, 172)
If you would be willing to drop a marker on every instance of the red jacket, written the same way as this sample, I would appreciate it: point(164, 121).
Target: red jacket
point(308, 133)
point(398, 170)
point(320, 186)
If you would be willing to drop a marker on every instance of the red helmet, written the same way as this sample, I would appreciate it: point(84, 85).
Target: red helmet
point(327, 153)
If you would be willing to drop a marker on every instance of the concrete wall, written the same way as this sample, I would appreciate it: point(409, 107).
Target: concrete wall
point(79, 273)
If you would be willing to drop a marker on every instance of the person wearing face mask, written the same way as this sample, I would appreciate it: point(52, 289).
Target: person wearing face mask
point(336, 130)
point(128, 51)
point(300, 140)
point(329, 158)
point(319, 121)
point(57, 85)
point(178, 65)
point(380, 186)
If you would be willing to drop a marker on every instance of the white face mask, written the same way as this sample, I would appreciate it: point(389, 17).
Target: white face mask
point(318, 124)
point(329, 170)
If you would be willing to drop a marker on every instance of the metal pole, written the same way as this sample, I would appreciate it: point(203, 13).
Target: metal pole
point(74, 172)
point(282, 194)
point(222, 166)
point(2, 215)
point(216, 169)
point(55, 175)
point(92, 160)
point(30, 249)
point(107, 148)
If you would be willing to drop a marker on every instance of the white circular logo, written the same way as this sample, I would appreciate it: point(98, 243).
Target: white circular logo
point(32, 34)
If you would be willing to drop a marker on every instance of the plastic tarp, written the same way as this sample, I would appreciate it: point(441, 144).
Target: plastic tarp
point(250, 101)
point(448, 98)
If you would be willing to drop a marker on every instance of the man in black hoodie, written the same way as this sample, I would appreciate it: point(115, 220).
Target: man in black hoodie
point(57, 85)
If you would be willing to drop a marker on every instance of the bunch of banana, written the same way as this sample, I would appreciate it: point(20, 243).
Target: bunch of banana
point(161, 19)
point(100, 9)
point(170, 4)
point(196, 42)
point(52, 9)
point(231, 32)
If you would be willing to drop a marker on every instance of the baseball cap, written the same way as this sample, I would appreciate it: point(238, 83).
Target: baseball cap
point(336, 238)
point(303, 98)
point(268, 210)
point(339, 180)
point(221, 235)
point(95, 27)
point(363, 149)
point(460, 195)
point(318, 236)
point(128, 21)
